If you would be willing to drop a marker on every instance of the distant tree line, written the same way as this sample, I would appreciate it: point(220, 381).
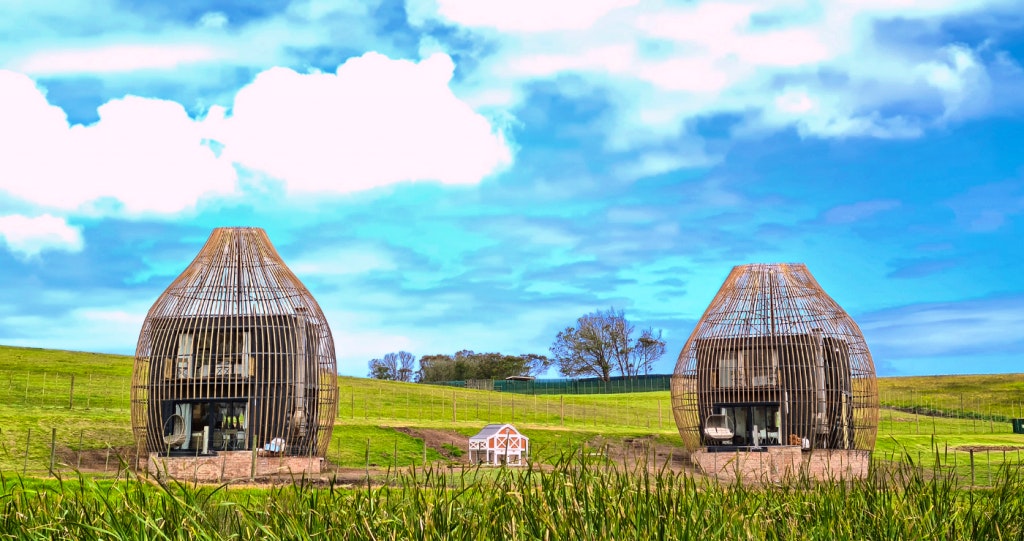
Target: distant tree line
point(463, 365)
point(470, 365)
point(601, 344)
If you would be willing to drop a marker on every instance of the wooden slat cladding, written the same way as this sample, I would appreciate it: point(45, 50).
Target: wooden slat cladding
point(235, 355)
point(773, 350)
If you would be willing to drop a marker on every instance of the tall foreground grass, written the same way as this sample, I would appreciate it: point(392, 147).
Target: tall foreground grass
point(572, 500)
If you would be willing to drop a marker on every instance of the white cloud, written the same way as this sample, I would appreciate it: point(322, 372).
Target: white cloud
point(144, 155)
point(116, 58)
point(823, 68)
point(518, 16)
point(28, 237)
point(95, 326)
point(337, 262)
point(107, 40)
point(376, 121)
point(652, 163)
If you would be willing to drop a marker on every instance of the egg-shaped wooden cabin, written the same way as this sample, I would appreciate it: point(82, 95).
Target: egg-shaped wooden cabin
point(235, 357)
point(774, 361)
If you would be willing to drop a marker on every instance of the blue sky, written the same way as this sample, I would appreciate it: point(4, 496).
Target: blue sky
point(468, 174)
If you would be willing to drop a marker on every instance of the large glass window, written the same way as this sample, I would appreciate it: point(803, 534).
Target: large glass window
point(753, 423)
point(210, 426)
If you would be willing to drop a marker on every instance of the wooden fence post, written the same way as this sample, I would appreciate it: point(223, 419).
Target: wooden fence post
point(53, 448)
point(71, 394)
point(972, 466)
point(81, 437)
point(28, 441)
point(368, 463)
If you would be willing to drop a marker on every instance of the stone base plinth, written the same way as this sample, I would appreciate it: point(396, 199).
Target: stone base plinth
point(782, 463)
point(231, 465)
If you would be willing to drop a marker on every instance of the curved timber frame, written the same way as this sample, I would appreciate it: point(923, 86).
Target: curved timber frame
point(238, 350)
point(778, 356)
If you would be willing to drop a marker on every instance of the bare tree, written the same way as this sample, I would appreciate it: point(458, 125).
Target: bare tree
point(601, 344)
point(536, 365)
point(399, 366)
point(649, 347)
point(405, 363)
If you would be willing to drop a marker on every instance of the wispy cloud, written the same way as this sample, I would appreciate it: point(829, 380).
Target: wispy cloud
point(116, 58)
point(917, 268)
point(29, 236)
point(824, 69)
point(946, 329)
point(988, 207)
point(855, 212)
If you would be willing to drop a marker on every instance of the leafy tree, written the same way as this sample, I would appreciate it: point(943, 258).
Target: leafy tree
point(399, 366)
point(601, 344)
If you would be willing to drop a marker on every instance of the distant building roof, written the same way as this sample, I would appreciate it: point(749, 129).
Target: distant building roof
point(492, 430)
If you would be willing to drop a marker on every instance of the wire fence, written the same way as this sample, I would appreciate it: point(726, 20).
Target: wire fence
point(433, 404)
point(60, 452)
point(974, 465)
point(947, 413)
point(49, 389)
point(614, 385)
point(48, 452)
point(52, 422)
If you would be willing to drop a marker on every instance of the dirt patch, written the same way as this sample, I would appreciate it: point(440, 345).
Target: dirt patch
point(980, 448)
point(441, 441)
point(96, 460)
point(637, 451)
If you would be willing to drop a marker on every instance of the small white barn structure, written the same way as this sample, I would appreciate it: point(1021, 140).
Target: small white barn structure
point(498, 444)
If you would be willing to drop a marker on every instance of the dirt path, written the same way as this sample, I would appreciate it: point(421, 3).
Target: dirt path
point(441, 441)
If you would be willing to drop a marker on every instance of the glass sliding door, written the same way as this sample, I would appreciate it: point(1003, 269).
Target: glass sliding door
point(754, 424)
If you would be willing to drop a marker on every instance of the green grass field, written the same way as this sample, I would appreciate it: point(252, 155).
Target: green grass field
point(92, 420)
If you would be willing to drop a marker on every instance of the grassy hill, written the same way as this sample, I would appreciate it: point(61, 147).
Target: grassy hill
point(84, 396)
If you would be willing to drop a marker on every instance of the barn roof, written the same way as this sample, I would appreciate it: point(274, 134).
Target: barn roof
point(493, 429)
